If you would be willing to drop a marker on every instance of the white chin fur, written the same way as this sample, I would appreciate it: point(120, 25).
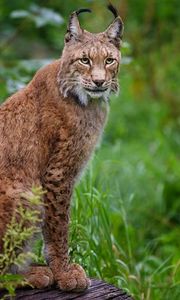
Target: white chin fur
point(95, 94)
point(84, 96)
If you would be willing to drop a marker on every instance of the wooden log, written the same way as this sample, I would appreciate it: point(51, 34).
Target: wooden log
point(98, 290)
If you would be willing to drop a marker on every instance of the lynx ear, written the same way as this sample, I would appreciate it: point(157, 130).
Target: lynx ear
point(115, 32)
point(74, 30)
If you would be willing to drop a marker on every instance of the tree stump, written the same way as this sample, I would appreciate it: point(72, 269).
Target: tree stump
point(98, 290)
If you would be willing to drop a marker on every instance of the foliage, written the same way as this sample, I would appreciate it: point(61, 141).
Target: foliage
point(125, 212)
point(41, 16)
point(125, 205)
point(17, 234)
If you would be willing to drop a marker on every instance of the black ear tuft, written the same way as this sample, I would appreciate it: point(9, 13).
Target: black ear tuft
point(113, 10)
point(81, 10)
point(74, 30)
point(115, 31)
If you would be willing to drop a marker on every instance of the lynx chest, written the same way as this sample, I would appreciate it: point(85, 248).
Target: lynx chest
point(79, 133)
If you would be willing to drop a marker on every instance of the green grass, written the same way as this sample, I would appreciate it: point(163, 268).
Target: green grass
point(125, 222)
point(125, 211)
point(17, 233)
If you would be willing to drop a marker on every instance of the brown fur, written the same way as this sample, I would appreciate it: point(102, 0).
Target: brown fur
point(48, 131)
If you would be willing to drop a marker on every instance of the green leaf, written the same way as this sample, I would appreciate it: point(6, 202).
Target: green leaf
point(19, 14)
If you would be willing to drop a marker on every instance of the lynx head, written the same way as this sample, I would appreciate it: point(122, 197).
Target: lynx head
point(90, 61)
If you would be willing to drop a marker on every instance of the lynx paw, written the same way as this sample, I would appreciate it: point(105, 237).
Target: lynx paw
point(74, 279)
point(39, 277)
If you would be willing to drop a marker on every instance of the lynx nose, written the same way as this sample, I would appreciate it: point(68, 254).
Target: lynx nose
point(98, 83)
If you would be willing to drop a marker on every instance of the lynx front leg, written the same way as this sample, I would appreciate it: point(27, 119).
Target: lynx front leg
point(57, 202)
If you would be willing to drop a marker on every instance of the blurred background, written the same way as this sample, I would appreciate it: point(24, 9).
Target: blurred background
point(126, 211)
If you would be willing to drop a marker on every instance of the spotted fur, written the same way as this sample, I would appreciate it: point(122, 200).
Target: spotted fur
point(48, 132)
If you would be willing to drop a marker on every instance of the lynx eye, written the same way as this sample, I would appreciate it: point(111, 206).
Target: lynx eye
point(109, 61)
point(85, 61)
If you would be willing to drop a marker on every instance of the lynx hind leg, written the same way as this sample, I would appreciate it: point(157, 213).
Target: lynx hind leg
point(6, 208)
point(39, 276)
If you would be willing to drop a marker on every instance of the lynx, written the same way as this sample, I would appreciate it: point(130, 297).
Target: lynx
point(48, 131)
